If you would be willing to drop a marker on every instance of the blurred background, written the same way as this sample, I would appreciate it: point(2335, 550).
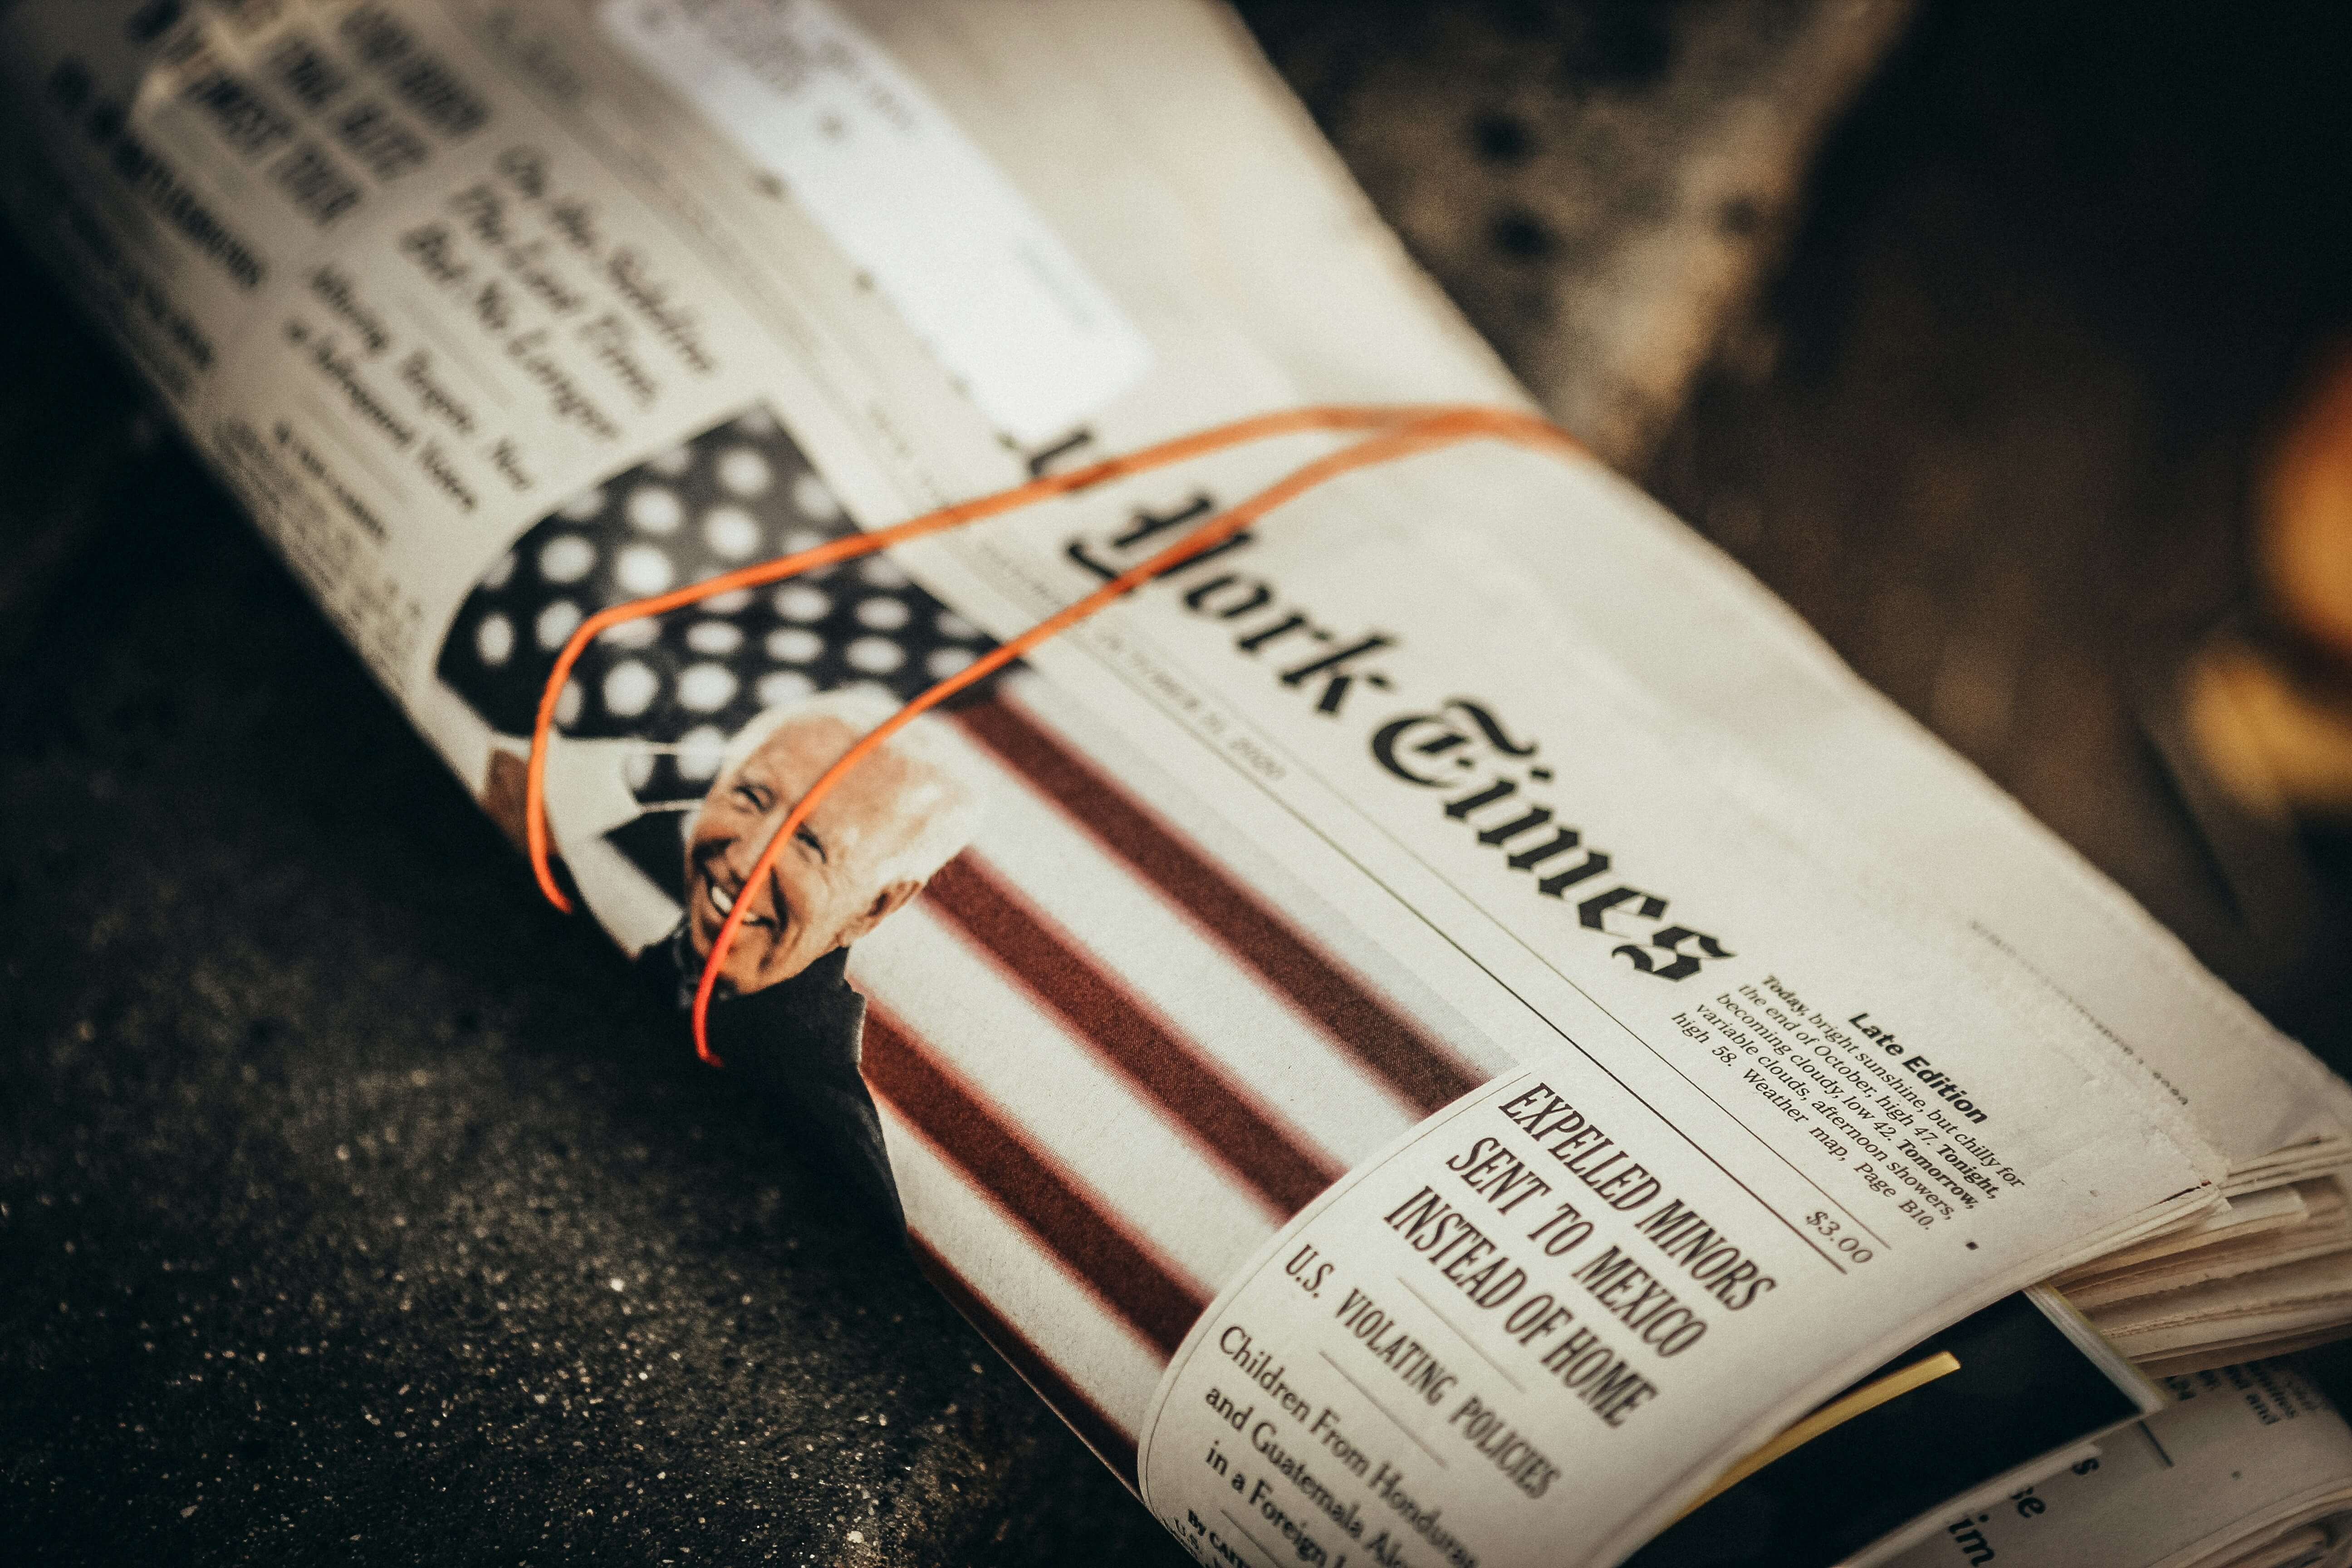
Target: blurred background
point(2001, 339)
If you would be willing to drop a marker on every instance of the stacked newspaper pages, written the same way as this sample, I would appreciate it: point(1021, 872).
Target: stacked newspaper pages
point(1430, 1027)
point(1977, 1464)
point(2250, 1467)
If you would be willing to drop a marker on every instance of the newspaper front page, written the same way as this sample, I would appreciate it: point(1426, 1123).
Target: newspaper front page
point(1368, 1025)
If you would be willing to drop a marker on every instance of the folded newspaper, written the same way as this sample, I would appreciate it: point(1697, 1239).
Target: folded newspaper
point(1431, 1030)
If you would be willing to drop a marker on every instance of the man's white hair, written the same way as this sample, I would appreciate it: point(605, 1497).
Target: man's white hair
point(949, 799)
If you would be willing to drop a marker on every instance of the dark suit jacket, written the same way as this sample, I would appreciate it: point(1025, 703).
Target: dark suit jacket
point(798, 1043)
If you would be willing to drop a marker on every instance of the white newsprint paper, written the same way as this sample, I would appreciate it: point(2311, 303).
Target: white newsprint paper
point(1489, 1344)
point(1400, 1028)
point(2250, 1467)
point(869, 155)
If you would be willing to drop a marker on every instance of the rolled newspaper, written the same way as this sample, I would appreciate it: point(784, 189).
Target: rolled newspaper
point(1426, 1030)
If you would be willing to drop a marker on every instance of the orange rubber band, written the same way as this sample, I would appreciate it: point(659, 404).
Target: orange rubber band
point(1395, 432)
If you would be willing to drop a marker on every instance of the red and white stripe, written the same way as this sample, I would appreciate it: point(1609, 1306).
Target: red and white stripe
point(1108, 1071)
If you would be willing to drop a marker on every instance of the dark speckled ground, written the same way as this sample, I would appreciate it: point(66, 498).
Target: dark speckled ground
point(352, 1210)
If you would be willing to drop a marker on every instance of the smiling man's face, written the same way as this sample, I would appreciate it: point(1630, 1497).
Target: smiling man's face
point(826, 888)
